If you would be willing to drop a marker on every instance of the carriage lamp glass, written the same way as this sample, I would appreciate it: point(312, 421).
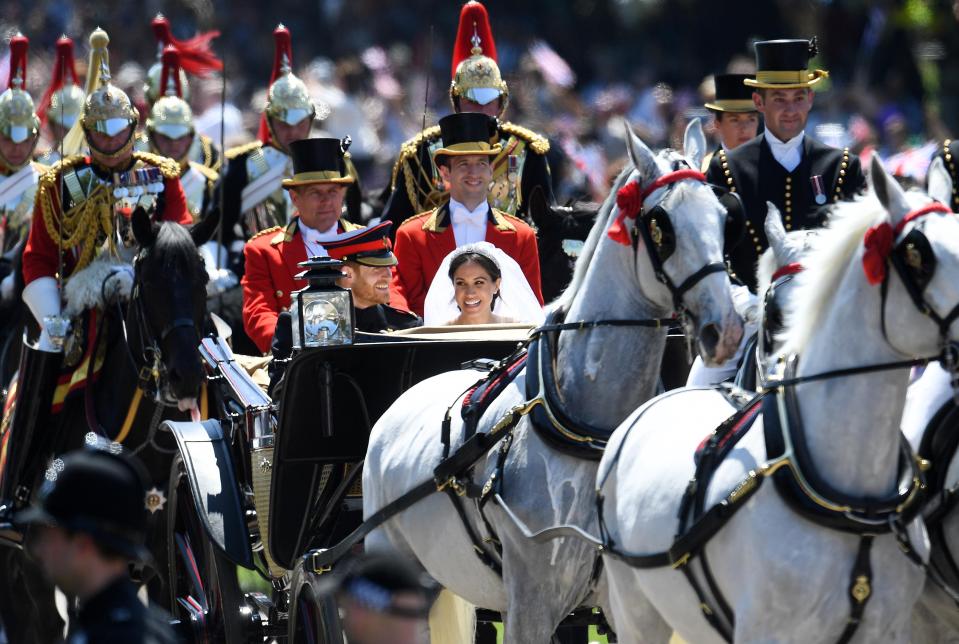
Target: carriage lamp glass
point(322, 312)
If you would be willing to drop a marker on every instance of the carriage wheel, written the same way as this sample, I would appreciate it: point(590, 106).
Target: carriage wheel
point(205, 594)
point(314, 618)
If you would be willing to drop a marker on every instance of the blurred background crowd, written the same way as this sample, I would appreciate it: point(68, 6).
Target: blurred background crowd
point(575, 68)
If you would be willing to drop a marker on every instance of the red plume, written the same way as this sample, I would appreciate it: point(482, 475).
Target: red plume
point(282, 46)
point(63, 66)
point(196, 54)
point(473, 19)
point(170, 70)
point(19, 45)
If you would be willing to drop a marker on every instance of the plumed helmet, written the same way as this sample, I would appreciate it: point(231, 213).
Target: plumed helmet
point(196, 58)
point(476, 75)
point(171, 116)
point(18, 119)
point(107, 108)
point(63, 100)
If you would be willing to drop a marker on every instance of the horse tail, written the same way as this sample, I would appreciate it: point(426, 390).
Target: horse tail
point(452, 620)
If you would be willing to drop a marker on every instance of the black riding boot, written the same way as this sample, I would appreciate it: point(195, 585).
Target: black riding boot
point(29, 437)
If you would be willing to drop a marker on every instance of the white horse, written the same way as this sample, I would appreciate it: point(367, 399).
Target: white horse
point(786, 578)
point(602, 374)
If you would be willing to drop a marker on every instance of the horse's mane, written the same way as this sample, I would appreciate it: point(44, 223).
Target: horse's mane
point(603, 219)
point(767, 265)
point(828, 259)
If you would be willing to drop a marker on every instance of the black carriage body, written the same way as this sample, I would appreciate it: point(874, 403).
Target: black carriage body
point(330, 400)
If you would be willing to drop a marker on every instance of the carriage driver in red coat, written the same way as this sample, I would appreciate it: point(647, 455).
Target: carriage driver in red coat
point(272, 256)
point(467, 217)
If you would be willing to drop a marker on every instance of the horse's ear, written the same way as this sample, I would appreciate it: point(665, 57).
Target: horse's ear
point(694, 143)
point(203, 230)
point(888, 190)
point(144, 229)
point(642, 157)
point(939, 182)
point(775, 232)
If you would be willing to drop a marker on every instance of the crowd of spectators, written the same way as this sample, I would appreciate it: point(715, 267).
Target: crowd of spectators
point(575, 69)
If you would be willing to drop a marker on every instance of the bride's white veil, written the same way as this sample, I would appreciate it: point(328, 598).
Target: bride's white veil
point(516, 300)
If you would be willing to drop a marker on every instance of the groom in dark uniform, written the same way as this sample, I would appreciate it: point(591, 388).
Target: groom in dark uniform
point(783, 165)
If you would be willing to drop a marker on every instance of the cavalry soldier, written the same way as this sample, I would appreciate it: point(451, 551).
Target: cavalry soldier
point(784, 165)
point(477, 86)
point(197, 58)
point(317, 190)
point(170, 132)
point(736, 118)
point(62, 103)
point(465, 163)
point(368, 259)
point(19, 133)
point(85, 546)
point(81, 212)
point(948, 153)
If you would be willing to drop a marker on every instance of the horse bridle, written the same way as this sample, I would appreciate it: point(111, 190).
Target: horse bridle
point(655, 229)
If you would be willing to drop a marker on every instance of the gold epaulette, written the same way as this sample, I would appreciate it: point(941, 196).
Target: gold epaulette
point(265, 231)
point(239, 150)
point(169, 168)
point(209, 173)
point(419, 214)
point(409, 148)
point(349, 225)
point(536, 142)
point(502, 219)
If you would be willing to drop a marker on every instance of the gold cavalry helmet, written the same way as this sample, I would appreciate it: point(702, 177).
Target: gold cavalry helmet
point(152, 84)
point(107, 108)
point(288, 99)
point(476, 75)
point(171, 116)
point(63, 100)
point(196, 58)
point(18, 119)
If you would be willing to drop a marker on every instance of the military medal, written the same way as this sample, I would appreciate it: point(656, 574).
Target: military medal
point(818, 189)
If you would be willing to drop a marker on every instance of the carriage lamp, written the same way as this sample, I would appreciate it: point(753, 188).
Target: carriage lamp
point(323, 313)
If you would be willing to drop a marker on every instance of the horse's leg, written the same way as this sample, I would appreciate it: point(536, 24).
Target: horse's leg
point(27, 601)
point(631, 615)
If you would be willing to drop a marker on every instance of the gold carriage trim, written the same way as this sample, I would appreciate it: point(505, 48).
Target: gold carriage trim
point(536, 142)
point(240, 150)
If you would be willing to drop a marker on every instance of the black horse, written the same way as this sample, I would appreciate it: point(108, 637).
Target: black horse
point(151, 368)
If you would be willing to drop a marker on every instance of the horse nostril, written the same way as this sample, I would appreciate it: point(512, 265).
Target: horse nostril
point(709, 338)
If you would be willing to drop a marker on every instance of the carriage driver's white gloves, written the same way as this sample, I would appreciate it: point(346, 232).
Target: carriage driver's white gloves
point(747, 306)
point(43, 299)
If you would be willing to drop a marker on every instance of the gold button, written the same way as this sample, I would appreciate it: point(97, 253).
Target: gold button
point(840, 181)
point(844, 165)
point(788, 194)
point(789, 179)
point(842, 173)
point(279, 293)
point(725, 164)
point(732, 189)
point(756, 239)
point(788, 218)
point(729, 181)
point(789, 203)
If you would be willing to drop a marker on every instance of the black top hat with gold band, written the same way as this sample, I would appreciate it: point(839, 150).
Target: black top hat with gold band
point(731, 94)
point(318, 161)
point(467, 133)
point(782, 64)
point(369, 246)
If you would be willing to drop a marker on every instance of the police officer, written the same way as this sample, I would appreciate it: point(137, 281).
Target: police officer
point(88, 524)
point(734, 114)
point(477, 86)
point(368, 259)
point(784, 165)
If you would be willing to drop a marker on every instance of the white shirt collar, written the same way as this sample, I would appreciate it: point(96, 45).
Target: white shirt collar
point(789, 153)
point(459, 209)
point(469, 226)
point(791, 144)
point(314, 235)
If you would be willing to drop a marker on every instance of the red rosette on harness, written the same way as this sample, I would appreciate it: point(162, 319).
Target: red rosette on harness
point(64, 66)
point(282, 61)
point(630, 198)
point(879, 239)
point(474, 20)
point(196, 54)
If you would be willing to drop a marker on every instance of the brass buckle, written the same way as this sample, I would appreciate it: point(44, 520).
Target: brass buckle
point(319, 570)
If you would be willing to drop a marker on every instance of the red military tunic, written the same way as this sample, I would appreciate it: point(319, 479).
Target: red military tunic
point(272, 258)
point(41, 254)
point(423, 241)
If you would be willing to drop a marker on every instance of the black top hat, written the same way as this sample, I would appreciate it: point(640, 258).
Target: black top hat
point(782, 64)
point(467, 133)
point(319, 161)
point(98, 493)
point(731, 94)
point(370, 246)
